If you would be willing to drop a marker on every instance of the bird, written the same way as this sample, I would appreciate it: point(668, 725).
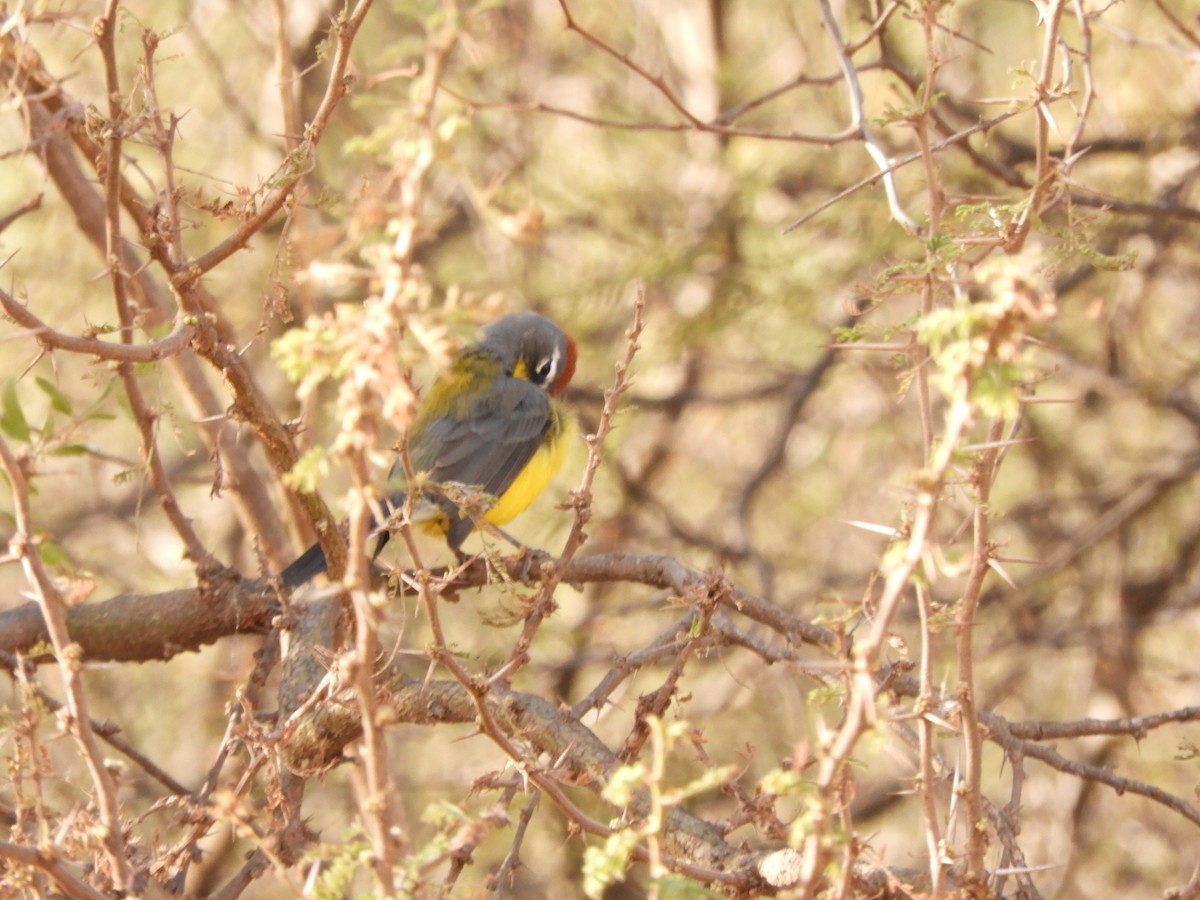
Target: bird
point(492, 423)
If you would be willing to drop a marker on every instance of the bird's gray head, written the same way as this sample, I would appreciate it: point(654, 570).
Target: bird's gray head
point(532, 347)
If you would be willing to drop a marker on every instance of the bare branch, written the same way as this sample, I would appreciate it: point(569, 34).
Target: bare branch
point(50, 863)
point(858, 118)
point(24, 546)
point(176, 342)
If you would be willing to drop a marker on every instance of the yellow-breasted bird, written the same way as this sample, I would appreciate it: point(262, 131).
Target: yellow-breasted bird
point(492, 423)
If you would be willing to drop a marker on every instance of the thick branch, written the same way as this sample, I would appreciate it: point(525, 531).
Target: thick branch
point(141, 627)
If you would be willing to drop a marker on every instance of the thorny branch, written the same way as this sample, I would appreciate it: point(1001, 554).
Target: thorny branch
point(143, 416)
point(1051, 12)
point(858, 118)
point(552, 574)
point(23, 546)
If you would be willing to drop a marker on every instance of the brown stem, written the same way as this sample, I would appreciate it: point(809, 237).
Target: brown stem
point(983, 473)
point(70, 658)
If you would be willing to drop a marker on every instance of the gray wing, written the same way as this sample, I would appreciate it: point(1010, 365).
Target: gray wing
point(491, 444)
point(487, 447)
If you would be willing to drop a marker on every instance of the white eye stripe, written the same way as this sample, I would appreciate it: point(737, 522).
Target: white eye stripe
point(547, 368)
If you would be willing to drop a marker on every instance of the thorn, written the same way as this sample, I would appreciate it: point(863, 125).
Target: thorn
point(999, 570)
point(885, 530)
point(989, 445)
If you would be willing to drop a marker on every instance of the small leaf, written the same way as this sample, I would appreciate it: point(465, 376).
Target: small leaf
point(58, 400)
point(52, 554)
point(606, 865)
point(12, 417)
point(71, 450)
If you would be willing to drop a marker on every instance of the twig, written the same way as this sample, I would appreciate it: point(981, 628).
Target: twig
point(875, 29)
point(508, 866)
point(895, 165)
point(1051, 12)
point(691, 122)
point(654, 705)
point(859, 122)
point(1191, 36)
point(864, 652)
point(48, 861)
point(1118, 783)
point(107, 732)
point(143, 417)
point(203, 817)
point(582, 496)
point(378, 800)
point(552, 573)
point(622, 668)
point(1136, 727)
point(24, 546)
point(249, 403)
point(623, 58)
point(30, 205)
point(713, 127)
point(931, 284)
point(1004, 823)
point(412, 184)
point(736, 112)
point(926, 746)
point(1089, 84)
point(1189, 891)
point(297, 164)
point(49, 109)
point(151, 351)
point(983, 473)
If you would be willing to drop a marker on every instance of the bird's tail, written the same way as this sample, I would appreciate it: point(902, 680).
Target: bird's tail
point(304, 568)
point(441, 518)
point(311, 563)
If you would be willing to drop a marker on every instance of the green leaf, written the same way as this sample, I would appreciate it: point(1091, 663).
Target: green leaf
point(680, 887)
point(709, 780)
point(342, 864)
point(623, 783)
point(58, 400)
point(310, 470)
point(444, 814)
point(12, 417)
point(53, 555)
point(606, 865)
point(782, 782)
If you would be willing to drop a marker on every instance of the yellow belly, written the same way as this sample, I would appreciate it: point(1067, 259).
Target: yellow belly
point(533, 479)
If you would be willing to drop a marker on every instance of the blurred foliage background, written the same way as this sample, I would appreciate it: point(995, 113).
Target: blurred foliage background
point(490, 158)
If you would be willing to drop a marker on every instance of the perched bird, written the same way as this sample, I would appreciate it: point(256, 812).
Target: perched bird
point(490, 424)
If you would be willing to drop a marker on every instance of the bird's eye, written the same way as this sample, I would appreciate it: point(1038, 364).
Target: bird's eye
point(544, 371)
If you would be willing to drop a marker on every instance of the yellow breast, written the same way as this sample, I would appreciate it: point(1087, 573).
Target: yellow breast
point(533, 479)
